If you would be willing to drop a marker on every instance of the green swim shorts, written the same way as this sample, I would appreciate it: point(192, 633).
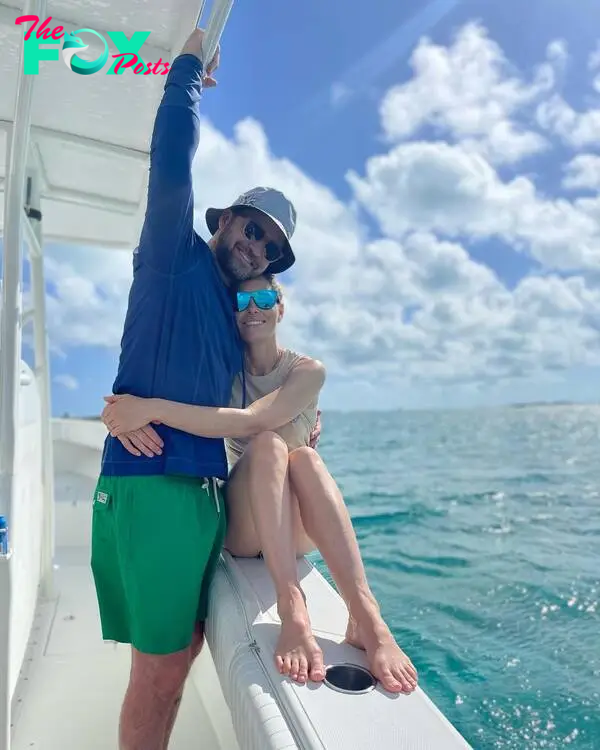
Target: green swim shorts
point(156, 541)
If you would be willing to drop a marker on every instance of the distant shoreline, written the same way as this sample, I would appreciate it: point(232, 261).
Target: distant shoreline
point(529, 404)
point(515, 405)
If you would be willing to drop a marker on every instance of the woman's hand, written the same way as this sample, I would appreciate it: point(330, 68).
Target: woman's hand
point(315, 435)
point(125, 413)
point(145, 440)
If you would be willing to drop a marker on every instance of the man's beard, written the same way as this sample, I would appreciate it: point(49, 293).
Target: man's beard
point(234, 271)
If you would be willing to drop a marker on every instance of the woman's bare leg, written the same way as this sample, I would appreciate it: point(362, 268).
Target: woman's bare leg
point(327, 522)
point(261, 519)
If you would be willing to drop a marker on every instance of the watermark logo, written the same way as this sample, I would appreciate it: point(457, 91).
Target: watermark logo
point(72, 44)
point(45, 43)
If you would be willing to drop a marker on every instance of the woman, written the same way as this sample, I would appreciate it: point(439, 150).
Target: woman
point(282, 501)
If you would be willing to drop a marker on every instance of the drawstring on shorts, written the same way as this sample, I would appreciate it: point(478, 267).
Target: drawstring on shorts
point(205, 485)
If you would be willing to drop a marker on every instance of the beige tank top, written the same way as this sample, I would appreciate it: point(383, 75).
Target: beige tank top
point(297, 432)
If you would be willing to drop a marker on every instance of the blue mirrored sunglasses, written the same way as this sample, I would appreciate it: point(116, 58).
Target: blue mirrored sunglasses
point(264, 299)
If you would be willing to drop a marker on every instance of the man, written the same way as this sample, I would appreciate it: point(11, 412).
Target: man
point(158, 521)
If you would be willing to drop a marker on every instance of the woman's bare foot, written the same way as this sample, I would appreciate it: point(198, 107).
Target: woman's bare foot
point(297, 653)
point(388, 663)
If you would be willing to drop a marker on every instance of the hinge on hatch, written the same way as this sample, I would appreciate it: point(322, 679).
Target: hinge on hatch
point(33, 213)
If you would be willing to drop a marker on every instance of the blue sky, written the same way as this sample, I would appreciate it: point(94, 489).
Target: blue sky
point(489, 294)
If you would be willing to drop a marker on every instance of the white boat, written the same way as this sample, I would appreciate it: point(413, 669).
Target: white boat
point(61, 686)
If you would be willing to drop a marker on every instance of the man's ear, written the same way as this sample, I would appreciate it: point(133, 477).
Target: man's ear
point(225, 218)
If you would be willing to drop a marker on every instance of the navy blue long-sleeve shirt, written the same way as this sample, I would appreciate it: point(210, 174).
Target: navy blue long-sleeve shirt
point(180, 340)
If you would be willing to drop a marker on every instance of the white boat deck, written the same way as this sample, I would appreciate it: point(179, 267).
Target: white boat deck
point(72, 684)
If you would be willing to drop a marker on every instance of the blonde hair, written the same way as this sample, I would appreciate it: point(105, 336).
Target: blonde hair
point(274, 284)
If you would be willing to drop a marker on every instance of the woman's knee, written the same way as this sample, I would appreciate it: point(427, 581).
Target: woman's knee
point(304, 457)
point(268, 443)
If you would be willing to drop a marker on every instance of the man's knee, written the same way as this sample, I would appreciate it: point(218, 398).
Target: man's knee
point(197, 642)
point(161, 676)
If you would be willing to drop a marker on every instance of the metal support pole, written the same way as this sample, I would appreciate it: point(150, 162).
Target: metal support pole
point(10, 350)
point(200, 13)
point(10, 331)
point(214, 28)
point(6, 591)
point(42, 373)
point(5, 563)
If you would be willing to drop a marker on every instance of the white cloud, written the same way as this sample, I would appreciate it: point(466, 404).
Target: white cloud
point(576, 129)
point(407, 303)
point(594, 58)
point(583, 173)
point(468, 91)
point(68, 381)
point(88, 296)
point(444, 188)
point(594, 64)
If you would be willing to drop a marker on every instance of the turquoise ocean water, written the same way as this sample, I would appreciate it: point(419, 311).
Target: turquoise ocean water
point(480, 532)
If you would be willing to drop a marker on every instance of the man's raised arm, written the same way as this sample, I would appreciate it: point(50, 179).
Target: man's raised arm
point(166, 241)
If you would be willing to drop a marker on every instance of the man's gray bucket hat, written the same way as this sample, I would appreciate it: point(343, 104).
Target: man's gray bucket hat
point(273, 204)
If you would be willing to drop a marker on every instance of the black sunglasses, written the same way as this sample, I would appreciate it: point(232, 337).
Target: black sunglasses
point(254, 231)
